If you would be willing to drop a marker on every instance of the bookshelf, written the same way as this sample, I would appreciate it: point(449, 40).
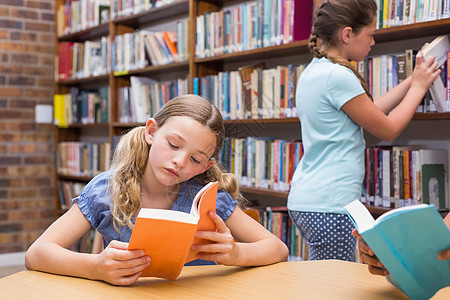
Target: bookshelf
point(197, 67)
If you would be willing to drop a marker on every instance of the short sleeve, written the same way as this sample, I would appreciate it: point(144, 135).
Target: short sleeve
point(225, 205)
point(94, 200)
point(343, 86)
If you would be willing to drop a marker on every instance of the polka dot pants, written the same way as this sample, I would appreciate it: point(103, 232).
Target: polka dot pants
point(328, 235)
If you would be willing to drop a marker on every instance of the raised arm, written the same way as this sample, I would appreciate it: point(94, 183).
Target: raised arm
point(373, 116)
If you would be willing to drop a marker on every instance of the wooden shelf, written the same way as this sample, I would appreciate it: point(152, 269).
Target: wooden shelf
point(178, 66)
point(98, 80)
point(87, 34)
point(299, 47)
point(417, 30)
point(155, 14)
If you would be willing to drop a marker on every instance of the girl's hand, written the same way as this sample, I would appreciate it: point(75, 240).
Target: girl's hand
point(375, 265)
point(118, 265)
point(425, 72)
point(443, 255)
point(223, 248)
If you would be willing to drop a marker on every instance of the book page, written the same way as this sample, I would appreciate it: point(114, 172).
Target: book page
point(397, 210)
point(167, 214)
point(360, 215)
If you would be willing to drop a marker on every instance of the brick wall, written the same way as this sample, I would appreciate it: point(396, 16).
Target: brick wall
point(27, 191)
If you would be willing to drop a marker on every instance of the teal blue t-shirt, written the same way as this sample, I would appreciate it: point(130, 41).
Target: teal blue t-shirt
point(331, 171)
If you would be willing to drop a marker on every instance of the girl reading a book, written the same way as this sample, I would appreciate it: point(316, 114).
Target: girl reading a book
point(334, 105)
point(161, 165)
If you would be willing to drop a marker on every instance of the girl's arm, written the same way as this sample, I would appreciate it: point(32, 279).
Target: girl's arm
point(391, 99)
point(49, 253)
point(256, 245)
point(388, 127)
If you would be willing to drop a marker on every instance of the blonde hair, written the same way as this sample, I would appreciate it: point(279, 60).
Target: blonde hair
point(131, 157)
point(332, 16)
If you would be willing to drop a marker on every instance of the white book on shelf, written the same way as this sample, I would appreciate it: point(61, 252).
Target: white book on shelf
point(438, 49)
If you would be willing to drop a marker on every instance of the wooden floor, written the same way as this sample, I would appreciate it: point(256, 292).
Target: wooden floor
point(5, 271)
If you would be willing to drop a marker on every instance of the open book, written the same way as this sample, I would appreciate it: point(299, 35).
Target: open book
point(407, 241)
point(167, 235)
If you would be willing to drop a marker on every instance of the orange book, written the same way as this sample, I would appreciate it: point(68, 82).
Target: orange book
point(170, 38)
point(167, 235)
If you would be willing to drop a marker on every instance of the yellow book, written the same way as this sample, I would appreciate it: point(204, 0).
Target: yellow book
point(59, 110)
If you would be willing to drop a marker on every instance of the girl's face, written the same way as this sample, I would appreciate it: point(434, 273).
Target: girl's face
point(180, 149)
point(361, 43)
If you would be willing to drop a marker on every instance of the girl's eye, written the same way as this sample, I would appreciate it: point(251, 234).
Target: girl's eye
point(194, 160)
point(172, 145)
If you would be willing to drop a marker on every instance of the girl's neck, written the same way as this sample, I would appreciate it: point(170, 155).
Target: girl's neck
point(162, 198)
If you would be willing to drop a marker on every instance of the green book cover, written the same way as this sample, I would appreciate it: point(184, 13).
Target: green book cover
point(407, 241)
point(433, 184)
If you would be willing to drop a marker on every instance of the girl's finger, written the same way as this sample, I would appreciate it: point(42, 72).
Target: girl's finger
point(219, 222)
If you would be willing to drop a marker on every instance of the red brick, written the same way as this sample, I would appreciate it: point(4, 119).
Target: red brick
point(10, 69)
point(39, 203)
point(47, 16)
point(13, 47)
point(22, 126)
point(30, 182)
point(10, 183)
point(37, 137)
point(40, 4)
point(23, 103)
point(46, 38)
point(11, 227)
point(23, 36)
point(20, 80)
point(4, 35)
point(23, 215)
point(38, 48)
point(47, 192)
point(23, 193)
point(4, 57)
point(38, 93)
point(11, 24)
point(10, 137)
point(24, 14)
point(11, 248)
point(38, 159)
point(2, 80)
point(38, 26)
point(24, 58)
point(10, 160)
point(12, 2)
point(47, 60)
point(3, 149)
point(4, 11)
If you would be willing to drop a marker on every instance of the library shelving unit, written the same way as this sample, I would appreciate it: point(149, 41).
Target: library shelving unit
point(197, 67)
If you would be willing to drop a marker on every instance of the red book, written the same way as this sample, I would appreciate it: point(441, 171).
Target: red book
point(301, 19)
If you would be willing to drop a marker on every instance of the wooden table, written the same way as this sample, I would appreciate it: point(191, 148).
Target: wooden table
point(330, 279)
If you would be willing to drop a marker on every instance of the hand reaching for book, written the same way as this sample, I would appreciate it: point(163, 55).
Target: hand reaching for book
point(118, 265)
point(223, 248)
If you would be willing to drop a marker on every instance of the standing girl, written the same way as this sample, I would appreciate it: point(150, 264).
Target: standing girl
point(162, 165)
point(334, 105)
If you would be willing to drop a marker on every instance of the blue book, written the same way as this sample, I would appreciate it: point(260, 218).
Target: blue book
point(407, 241)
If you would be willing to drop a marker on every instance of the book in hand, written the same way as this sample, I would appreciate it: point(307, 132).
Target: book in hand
point(438, 48)
point(407, 241)
point(166, 236)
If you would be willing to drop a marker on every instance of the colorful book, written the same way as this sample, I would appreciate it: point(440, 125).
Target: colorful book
point(167, 235)
point(407, 241)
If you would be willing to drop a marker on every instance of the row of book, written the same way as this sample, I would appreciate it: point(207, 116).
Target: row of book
point(67, 190)
point(141, 48)
point(398, 176)
point(262, 162)
point(253, 25)
point(402, 12)
point(280, 224)
point(253, 92)
point(82, 158)
point(145, 97)
point(78, 60)
point(123, 8)
point(383, 73)
point(78, 15)
point(81, 107)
